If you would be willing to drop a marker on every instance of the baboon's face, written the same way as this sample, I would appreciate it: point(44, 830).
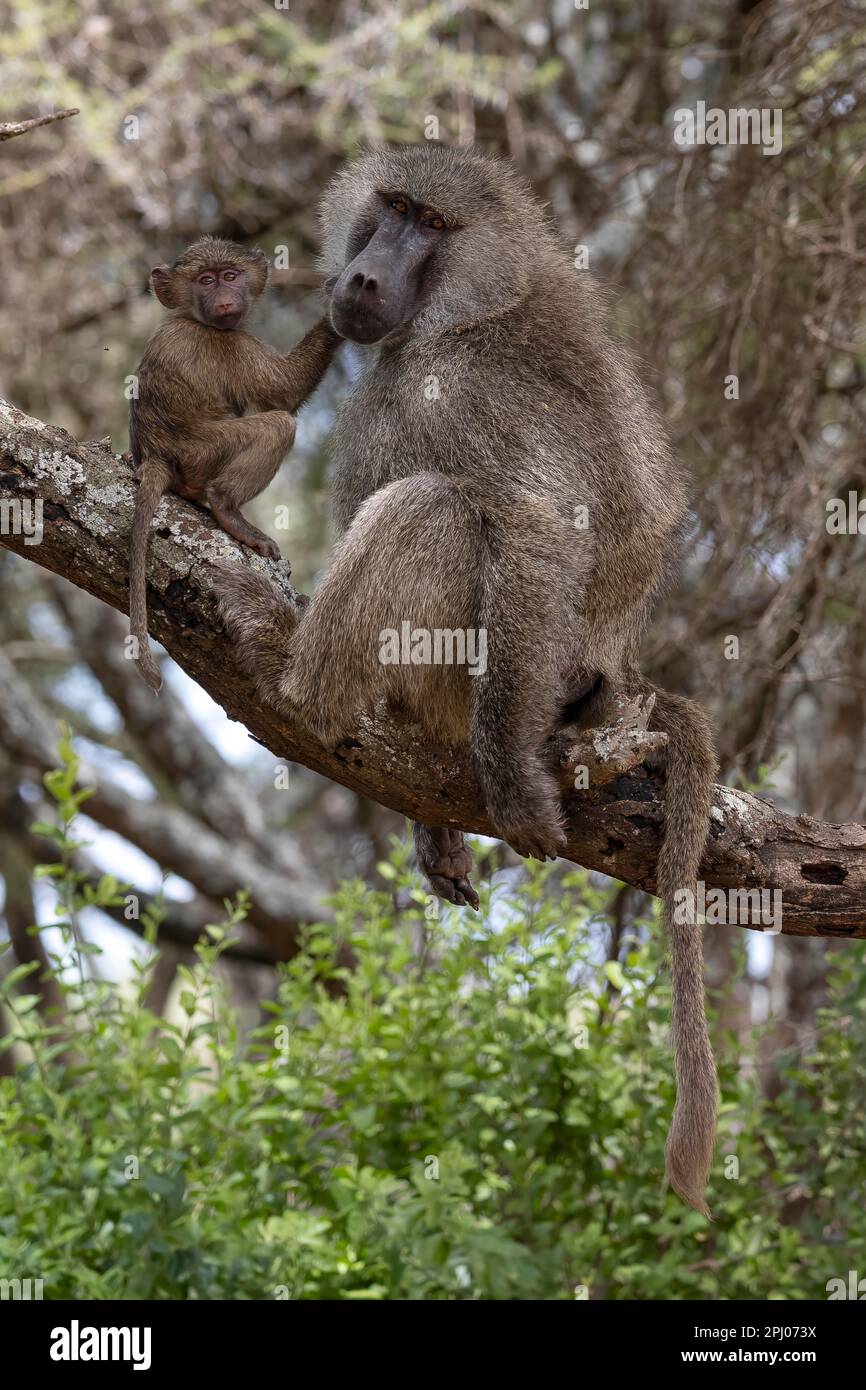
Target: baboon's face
point(215, 282)
point(392, 249)
point(221, 296)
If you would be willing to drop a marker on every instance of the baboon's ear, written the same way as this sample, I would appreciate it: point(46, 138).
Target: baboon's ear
point(259, 270)
point(162, 281)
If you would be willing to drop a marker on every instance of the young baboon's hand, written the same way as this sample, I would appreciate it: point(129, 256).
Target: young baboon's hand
point(445, 861)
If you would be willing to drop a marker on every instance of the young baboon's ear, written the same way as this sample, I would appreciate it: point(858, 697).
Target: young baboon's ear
point(163, 286)
point(259, 270)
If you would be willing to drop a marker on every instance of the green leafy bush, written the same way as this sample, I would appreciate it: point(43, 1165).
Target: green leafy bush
point(481, 1119)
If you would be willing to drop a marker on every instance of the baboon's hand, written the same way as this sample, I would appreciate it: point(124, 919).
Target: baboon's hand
point(536, 832)
point(534, 841)
point(245, 598)
point(445, 861)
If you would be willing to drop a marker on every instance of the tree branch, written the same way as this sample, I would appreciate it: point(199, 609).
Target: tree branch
point(168, 834)
point(182, 922)
point(87, 493)
point(8, 129)
point(174, 751)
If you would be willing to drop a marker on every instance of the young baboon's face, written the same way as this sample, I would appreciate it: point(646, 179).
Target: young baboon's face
point(221, 296)
point(395, 243)
point(218, 296)
point(215, 282)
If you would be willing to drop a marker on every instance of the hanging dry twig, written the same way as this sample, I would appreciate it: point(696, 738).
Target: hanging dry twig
point(8, 129)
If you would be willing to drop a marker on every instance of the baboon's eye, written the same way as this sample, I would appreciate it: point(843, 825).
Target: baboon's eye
point(399, 205)
point(206, 279)
point(437, 223)
point(230, 275)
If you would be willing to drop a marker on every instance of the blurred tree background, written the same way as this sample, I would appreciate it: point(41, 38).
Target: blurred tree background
point(229, 117)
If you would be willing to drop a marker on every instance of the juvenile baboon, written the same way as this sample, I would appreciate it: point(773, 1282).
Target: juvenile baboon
point(199, 373)
point(498, 467)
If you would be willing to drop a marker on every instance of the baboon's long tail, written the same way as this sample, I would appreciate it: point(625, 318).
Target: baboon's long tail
point(154, 480)
point(691, 767)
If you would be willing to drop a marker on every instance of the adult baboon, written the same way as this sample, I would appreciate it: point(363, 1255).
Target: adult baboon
point(498, 468)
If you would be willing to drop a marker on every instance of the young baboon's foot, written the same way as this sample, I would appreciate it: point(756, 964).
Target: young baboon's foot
point(237, 526)
point(263, 545)
point(446, 862)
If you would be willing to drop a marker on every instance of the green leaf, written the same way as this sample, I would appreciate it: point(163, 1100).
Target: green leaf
point(614, 972)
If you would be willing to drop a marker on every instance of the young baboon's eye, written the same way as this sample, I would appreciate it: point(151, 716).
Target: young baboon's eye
point(437, 223)
point(206, 279)
point(399, 205)
point(230, 275)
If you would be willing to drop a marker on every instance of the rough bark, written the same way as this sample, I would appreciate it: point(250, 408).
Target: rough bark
point(87, 494)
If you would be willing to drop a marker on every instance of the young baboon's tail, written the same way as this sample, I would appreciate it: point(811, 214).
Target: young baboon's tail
point(691, 766)
point(154, 480)
point(262, 620)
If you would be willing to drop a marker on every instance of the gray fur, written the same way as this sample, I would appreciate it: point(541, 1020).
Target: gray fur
point(460, 512)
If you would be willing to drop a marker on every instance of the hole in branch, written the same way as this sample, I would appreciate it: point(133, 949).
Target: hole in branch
point(824, 872)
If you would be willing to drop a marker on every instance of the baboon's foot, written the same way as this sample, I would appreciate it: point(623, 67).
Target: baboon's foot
point(446, 862)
